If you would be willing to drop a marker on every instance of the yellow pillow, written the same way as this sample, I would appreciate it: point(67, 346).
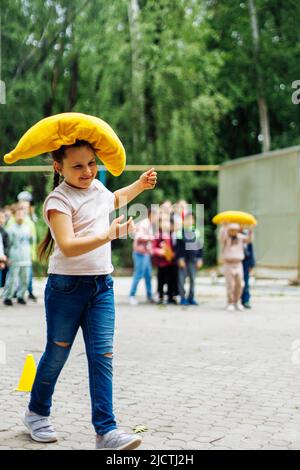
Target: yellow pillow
point(238, 217)
point(64, 129)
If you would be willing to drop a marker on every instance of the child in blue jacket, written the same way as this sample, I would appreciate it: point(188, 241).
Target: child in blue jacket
point(189, 255)
point(248, 265)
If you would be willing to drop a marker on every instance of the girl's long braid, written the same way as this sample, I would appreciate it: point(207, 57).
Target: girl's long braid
point(46, 246)
point(56, 179)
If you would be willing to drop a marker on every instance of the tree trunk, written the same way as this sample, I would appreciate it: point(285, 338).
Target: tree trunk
point(58, 68)
point(73, 90)
point(261, 100)
point(137, 86)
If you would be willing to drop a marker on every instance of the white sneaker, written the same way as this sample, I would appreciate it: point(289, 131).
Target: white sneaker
point(230, 308)
point(133, 301)
point(39, 427)
point(239, 306)
point(118, 440)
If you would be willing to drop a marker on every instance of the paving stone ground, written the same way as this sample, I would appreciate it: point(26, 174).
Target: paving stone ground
point(196, 377)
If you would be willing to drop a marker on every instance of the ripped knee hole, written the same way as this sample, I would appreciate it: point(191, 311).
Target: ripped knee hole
point(62, 344)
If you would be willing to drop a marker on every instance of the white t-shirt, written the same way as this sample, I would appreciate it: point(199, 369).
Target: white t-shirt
point(89, 209)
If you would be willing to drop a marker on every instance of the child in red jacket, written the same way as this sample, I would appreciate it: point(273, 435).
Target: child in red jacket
point(163, 257)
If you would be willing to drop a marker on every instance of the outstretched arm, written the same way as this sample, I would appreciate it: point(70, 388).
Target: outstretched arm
point(61, 225)
point(146, 181)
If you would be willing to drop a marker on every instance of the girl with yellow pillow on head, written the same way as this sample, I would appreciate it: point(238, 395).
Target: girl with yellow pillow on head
point(79, 289)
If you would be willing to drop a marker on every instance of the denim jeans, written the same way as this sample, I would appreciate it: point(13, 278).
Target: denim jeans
point(189, 271)
point(30, 281)
point(142, 269)
point(4, 274)
point(246, 291)
point(29, 288)
point(72, 302)
point(16, 281)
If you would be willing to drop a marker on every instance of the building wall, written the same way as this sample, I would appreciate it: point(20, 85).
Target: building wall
point(268, 186)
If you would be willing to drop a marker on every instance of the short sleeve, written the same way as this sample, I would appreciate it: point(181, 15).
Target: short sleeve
point(57, 203)
point(110, 197)
point(111, 200)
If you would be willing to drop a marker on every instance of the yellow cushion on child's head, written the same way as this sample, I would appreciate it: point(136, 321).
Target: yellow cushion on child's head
point(238, 217)
point(52, 132)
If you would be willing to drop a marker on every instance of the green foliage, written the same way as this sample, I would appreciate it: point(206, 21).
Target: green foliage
point(278, 66)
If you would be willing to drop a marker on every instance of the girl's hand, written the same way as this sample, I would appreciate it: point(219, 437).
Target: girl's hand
point(148, 179)
point(118, 230)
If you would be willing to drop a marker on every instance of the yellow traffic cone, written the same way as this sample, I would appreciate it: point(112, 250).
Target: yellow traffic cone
point(28, 375)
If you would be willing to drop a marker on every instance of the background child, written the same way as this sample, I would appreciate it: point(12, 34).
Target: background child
point(163, 257)
point(233, 254)
point(79, 289)
point(142, 246)
point(3, 258)
point(189, 255)
point(248, 265)
point(20, 239)
point(5, 251)
point(25, 199)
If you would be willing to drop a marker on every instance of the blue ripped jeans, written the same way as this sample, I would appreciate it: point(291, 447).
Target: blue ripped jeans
point(72, 302)
point(142, 268)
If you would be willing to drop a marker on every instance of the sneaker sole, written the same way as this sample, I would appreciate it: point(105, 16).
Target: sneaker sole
point(130, 446)
point(37, 439)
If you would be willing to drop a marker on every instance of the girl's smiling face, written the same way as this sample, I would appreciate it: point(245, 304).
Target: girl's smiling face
point(79, 167)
